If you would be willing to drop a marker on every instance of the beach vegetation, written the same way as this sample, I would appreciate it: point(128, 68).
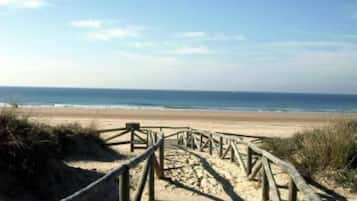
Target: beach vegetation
point(328, 153)
point(33, 156)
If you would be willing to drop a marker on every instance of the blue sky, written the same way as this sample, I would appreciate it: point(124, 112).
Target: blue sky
point(289, 46)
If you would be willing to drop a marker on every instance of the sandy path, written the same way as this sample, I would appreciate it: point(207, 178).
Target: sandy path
point(192, 176)
point(195, 175)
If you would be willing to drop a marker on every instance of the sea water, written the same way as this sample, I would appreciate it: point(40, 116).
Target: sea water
point(177, 100)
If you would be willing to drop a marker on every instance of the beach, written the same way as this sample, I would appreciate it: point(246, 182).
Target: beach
point(277, 124)
point(194, 175)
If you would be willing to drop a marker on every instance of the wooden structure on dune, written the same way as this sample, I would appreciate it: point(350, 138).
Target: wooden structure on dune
point(235, 147)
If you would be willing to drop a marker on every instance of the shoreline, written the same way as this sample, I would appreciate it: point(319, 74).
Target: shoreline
point(179, 108)
point(269, 124)
point(88, 112)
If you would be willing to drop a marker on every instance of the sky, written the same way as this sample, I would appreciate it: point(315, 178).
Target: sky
point(231, 45)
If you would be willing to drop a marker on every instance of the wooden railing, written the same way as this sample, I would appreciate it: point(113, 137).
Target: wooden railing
point(152, 143)
point(203, 140)
point(252, 161)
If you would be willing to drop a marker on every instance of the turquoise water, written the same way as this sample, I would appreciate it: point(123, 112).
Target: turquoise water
point(171, 99)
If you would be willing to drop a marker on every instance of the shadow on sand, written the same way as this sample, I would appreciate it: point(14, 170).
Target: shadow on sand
point(227, 186)
point(55, 182)
point(88, 149)
point(329, 195)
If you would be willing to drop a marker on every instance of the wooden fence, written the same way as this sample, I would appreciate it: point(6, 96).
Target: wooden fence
point(252, 161)
point(223, 144)
point(152, 143)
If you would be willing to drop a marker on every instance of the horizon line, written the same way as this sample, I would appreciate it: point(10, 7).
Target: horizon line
point(183, 90)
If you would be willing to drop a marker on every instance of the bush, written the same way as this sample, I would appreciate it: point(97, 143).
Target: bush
point(29, 149)
point(323, 150)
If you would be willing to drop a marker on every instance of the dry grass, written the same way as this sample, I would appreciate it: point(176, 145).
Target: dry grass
point(32, 155)
point(329, 152)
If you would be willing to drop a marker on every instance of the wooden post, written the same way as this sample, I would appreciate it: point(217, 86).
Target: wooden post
point(132, 127)
point(192, 140)
point(143, 181)
point(147, 140)
point(210, 144)
point(232, 153)
point(132, 140)
point(161, 156)
point(201, 141)
point(255, 170)
point(265, 186)
point(186, 139)
point(292, 190)
point(151, 180)
point(249, 160)
point(124, 186)
point(220, 147)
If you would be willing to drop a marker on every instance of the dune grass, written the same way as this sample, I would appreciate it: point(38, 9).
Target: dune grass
point(329, 152)
point(32, 155)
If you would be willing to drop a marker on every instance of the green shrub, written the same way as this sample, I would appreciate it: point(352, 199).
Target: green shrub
point(329, 149)
point(26, 147)
point(33, 155)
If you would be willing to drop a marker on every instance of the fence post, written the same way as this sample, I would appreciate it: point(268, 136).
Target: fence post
point(232, 152)
point(249, 160)
point(186, 139)
point(147, 140)
point(220, 146)
point(210, 144)
point(124, 185)
point(151, 179)
point(201, 141)
point(132, 127)
point(161, 156)
point(192, 140)
point(292, 190)
point(265, 186)
point(132, 140)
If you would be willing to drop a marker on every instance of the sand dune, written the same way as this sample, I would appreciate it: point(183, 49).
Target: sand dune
point(194, 175)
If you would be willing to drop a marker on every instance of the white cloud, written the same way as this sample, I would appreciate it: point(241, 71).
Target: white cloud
point(211, 36)
point(23, 3)
point(145, 44)
point(193, 50)
point(89, 23)
point(226, 37)
point(313, 44)
point(353, 36)
point(146, 59)
point(112, 33)
point(239, 37)
point(191, 34)
point(99, 30)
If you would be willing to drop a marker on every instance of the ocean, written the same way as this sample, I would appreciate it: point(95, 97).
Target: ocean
point(177, 100)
